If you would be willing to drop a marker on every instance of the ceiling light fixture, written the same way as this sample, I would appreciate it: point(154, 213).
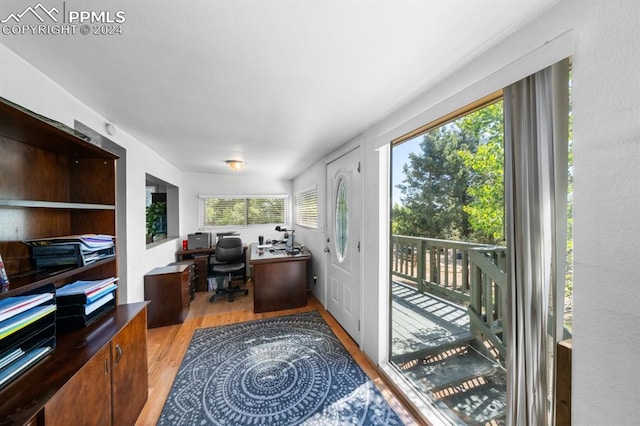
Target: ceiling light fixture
point(235, 165)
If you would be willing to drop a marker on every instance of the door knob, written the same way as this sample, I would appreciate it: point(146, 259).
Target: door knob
point(326, 250)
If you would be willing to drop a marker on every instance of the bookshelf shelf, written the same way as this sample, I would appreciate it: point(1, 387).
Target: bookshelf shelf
point(33, 129)
point(55, 205)
point(33, 279)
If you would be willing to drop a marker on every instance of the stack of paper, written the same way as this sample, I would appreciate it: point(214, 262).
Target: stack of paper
point(14, 369)
point(74, 250)
point(27, 332)
point(22, 320)
point(82, 302)
point(12, 306)
point(89, 290)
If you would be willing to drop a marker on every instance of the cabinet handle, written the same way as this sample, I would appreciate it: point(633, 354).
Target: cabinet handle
point(118, 354)
point(106, 367)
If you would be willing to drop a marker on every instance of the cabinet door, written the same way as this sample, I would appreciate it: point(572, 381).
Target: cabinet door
point(129, 371)
point(86, 398)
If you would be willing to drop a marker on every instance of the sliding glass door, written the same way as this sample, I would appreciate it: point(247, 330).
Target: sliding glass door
point(448, 269)
point(455, 312)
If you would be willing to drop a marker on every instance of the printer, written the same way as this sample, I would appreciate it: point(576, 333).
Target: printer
point(199, 240)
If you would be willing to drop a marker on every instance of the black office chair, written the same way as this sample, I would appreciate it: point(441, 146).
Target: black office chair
point(228, 261)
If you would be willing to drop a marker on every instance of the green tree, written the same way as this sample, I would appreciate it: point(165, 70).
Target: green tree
point(265, 210)
point(453, 188)
point(485, 207)
point(221, 212)
point(434, 187)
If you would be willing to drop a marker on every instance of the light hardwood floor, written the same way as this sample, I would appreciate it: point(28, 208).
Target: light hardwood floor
point(166, 347)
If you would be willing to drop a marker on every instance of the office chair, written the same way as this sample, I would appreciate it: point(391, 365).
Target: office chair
point(228, 261)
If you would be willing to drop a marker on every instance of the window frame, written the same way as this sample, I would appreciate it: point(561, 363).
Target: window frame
point(245, 199)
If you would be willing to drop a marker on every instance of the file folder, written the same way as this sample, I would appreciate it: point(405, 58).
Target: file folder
point(27, 331)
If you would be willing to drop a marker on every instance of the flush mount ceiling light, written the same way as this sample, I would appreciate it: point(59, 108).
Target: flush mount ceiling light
point(235, 165)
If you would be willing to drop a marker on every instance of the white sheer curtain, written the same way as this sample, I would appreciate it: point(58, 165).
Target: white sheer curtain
point(536, 122)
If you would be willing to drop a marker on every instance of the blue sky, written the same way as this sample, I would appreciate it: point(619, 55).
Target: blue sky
point(400, 157)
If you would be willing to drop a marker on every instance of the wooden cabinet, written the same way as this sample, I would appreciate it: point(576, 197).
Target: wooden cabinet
point(55, 182)
point(82, 378)
point(129, 373)
point(111, 388)
point(167, 290)
point(86, 398)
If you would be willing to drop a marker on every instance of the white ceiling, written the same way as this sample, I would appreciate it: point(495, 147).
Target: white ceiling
point(276, 83)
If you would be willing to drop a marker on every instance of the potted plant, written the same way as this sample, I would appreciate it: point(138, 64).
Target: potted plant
point(155, 213)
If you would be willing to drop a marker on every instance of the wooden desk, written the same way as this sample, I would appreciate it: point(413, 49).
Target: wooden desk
point(279, 280)
point(187, 254)
point(168, 290)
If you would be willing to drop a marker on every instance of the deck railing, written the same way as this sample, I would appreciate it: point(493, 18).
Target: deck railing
point(469, 274)
point(488, 295)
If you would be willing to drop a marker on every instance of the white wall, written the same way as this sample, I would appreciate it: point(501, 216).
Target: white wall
point(313, 239)
point(194, 184)
point(23, 84)
point(604, 38)
point(606, 127)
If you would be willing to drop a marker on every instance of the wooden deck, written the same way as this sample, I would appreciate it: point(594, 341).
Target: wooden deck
point(422, 322)
point(433, 347)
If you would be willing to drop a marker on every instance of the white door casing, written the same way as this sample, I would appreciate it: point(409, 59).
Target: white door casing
point(343, 242)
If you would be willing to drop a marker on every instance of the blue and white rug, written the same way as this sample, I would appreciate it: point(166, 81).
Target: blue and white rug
point(287, 370)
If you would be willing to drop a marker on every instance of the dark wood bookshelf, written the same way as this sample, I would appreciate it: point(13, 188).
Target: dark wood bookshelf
point(54, 182)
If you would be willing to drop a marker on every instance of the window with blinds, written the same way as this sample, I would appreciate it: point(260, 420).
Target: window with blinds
point(243, 211)
point(307, 208)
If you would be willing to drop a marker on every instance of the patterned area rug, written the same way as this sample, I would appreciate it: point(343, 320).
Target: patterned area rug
point(287, 370)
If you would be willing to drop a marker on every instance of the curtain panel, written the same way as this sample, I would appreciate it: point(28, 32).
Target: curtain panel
point(536, 136)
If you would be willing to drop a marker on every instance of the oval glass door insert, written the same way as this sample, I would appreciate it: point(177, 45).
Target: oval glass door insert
point(342, 217)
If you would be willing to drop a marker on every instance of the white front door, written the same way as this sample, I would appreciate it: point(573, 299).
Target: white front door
point(343, 241)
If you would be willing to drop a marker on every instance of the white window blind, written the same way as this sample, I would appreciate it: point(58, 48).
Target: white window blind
point(243, 210)
point(307, 208)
